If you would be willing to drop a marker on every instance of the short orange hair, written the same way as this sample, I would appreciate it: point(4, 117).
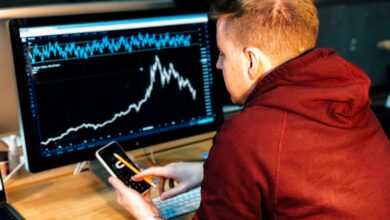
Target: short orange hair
point(282, 29)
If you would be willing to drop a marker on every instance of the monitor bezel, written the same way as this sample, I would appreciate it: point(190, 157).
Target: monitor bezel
point(34, 161)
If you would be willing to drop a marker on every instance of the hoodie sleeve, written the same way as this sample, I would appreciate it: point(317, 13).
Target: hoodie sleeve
point(239, 173)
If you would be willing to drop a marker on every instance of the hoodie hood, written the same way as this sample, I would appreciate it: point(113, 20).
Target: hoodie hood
point(319, 85)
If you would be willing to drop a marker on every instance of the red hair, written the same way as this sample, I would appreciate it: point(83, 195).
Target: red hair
point(282, 29)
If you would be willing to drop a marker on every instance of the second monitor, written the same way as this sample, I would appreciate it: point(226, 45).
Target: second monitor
point(138, 78)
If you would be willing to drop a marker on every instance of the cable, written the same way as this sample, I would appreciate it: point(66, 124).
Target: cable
point(17, 168)
point(79, 167)
point(150, 155)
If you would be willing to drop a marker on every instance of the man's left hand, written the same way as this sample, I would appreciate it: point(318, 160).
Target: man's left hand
point(140, 206)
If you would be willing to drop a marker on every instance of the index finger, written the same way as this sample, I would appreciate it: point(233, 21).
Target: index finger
point(152, 172)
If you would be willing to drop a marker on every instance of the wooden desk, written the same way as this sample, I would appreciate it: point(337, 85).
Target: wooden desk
point(82, 196)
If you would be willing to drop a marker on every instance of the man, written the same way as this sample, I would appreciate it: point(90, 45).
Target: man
point(306, 145)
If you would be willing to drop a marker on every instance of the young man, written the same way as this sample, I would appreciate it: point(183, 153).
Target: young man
point(306, 145)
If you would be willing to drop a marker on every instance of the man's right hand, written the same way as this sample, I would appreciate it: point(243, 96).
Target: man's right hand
point(186, 176)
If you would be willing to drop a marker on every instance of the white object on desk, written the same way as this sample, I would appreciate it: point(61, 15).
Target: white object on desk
point(13, 152)
point(6, 139)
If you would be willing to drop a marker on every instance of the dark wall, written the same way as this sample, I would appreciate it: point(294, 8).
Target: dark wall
point(353, 29)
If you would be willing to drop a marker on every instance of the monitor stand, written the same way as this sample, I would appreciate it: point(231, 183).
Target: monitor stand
point(101, 173)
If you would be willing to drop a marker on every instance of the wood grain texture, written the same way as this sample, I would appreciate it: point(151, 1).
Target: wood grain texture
point(57, 194)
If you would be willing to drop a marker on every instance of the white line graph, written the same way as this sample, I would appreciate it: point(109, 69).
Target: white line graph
point(166, 74)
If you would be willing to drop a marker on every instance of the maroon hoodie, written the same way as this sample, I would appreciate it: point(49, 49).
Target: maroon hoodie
point(306, 146)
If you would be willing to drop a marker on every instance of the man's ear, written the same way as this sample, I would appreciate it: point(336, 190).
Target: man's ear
point(258, 63)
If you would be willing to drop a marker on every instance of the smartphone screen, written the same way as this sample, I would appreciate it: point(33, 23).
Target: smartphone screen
point(116, 168)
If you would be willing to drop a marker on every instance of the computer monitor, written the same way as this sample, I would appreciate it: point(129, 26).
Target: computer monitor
point(140, 78)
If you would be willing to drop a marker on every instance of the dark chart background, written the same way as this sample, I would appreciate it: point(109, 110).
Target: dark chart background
point(75, 92)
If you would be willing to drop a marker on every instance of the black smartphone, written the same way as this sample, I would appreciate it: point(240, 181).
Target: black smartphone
point(119, 169)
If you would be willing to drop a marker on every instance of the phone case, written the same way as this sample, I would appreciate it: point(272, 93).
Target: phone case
point(116, 168)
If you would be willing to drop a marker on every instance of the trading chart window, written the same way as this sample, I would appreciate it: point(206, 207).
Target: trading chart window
point(94, 82)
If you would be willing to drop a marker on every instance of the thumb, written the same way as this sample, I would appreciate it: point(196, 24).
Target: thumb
point(118, 184)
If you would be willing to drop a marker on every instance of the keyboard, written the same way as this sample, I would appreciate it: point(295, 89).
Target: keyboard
point(179, 205)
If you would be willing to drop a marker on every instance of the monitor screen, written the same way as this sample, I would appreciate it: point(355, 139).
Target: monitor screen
point(137, 78)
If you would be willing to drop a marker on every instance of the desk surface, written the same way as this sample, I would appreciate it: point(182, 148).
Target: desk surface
point(83, 196)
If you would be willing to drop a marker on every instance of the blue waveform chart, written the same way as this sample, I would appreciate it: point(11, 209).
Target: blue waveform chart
point(106, 46)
